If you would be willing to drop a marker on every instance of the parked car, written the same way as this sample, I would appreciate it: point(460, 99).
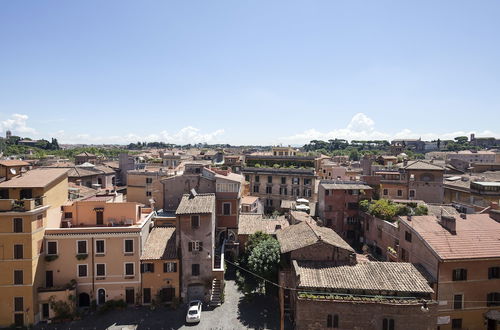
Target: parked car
point(194, 311)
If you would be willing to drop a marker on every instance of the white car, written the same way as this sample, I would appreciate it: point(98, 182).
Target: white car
point(194, 312)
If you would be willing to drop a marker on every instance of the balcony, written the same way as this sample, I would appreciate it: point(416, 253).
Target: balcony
point(21, 205)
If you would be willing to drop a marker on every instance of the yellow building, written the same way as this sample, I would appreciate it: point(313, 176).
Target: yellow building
point(160, 267)
point(144, 186)
point(29, 203)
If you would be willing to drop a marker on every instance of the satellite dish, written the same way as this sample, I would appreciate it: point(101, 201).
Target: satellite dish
point(13, 171)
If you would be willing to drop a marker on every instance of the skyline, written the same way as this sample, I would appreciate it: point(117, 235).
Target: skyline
point(248, 72)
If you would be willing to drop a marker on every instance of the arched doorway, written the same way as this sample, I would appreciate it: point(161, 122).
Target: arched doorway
point(101, 296)
point(83, 300)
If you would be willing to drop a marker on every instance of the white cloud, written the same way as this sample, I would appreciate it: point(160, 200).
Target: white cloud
point(362, 127)
point(185, 135)
point(17, 124)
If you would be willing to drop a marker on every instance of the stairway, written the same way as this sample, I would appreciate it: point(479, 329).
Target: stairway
point(215, 296)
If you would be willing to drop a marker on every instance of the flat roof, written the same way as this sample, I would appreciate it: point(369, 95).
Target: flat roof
point(38, 178)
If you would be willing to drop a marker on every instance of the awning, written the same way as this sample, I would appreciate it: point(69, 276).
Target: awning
point(493, 315)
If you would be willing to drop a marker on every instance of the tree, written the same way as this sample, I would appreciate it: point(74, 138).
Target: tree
point(462, 140)
point(261, 257)
point(354, 155)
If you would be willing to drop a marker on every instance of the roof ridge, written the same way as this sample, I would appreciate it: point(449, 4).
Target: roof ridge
point(318, 237)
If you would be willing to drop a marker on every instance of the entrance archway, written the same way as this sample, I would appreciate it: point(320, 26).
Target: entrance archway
point(83, 300)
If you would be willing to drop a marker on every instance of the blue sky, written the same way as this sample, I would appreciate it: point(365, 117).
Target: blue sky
point(244, 72)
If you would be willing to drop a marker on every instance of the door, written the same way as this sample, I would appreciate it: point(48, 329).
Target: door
point(101, 296)
point(83, 300)
point(492, 324)
point(167, 294)
point(146, 295)
point(196, 292)
point(129, 296)
point(49, 279)
point(45, 311)
point(99, 218)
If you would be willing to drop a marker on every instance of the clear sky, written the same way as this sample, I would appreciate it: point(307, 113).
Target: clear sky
point(244, 72)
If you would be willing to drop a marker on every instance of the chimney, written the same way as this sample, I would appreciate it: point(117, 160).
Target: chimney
point(405, 162)
point(449, 223)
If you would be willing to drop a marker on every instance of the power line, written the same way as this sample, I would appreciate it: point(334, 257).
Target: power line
point(345, 294)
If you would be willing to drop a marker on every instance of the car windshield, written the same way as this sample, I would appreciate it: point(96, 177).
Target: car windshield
point(193, 303)
point(193, 312)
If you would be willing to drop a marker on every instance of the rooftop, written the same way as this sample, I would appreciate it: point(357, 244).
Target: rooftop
point(160, 245)
point(250, 223)
point(13, 162)
point(399, 277)
point(477, 236)
point(196, 204)
point(249, 199)
point(38, 178)
point(344, 185)
point(305, 234)
point(422, 165)
point(272, 170)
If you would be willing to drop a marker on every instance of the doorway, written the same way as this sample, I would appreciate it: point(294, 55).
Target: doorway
point(101, 296)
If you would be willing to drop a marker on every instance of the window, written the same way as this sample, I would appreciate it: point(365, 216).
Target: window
point(149, 194)
point(81, 247)
point(18, 277)
point(170, 267)
point(51, 248)
point(407, 236)
point(195, 269)
point(195, 246)
point(400, 193)
point(456, 323)
point(327, 192)
point(149, 180)
point(493, 272)
point(283, 180)
point(405, 256)
point(148, 267)
point(295, 180)
point(255, 189)
point(493, 299)
point(99, 246)
point(18, 225)
point(100, 269)
point(460, 274)
point(68, 215)
point(458, 300)
point(129, 268)
point(307, 182)
point(247, 178)
point(385, 192)
point(226, 208)
point(18, 251)
point(18, 304)
point(412, 193)
point(257, 178)
point(82, 270)
point(332, 321)
point(129, 246)
point(195, 221)
point(269, 190)
point(388, 324)
point(269, 179)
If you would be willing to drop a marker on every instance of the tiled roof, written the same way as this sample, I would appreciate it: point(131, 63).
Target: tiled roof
point(422, 165)
point(201, 203)
point(249, 199)
point(13, 162)
point(477, 236)
point(339, 185)
point(398, 277)
point(250, 223)
point(305, 234)
point(38, 178)
point(160, 244)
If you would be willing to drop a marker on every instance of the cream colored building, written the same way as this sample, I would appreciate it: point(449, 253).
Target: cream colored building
point(29, 203)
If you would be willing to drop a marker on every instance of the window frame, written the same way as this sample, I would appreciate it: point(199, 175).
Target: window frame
point(15, 304)
point(14, 254)
point(125, 246)
point(86, 270)
point(18, 271)
point(197, 217)
point(461, 301)
point(48, 248)
point(459, 274)
point(86, 246)
point(197, 268)
point(104, 246)
point(14, 225)
point(125, 264)
point(224, 208)
point(97, 270)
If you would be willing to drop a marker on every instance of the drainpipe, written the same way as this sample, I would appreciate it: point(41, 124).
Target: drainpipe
point(93, 272)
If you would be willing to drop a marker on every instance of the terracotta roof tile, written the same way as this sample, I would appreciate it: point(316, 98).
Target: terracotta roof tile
point(305, 234)
point(160, 245)
point(251, 223)
point(38, 178)
point(398, 277)
point(201, 203)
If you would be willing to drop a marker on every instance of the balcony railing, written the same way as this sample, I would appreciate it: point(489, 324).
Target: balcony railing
point(21, 205)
